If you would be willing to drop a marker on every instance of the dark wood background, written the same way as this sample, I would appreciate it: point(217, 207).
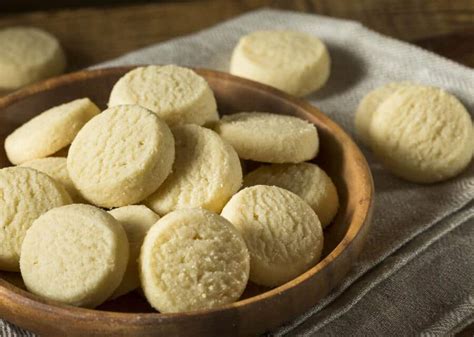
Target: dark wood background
point(96, 30)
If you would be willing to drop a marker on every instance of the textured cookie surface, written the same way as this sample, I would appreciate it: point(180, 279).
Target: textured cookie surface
point(50, 131)
point(28, 55)
point(75, 254)
point(422, 134)
point(121, 156)
point(269, 138)
point(306, 180)
point(206, 172)
point(136, 220)
point(282, 232)
point(25, 194)
point(176, 94)
point(56, 168)
point(193, 259)
point(294, 62)
point(369, 104)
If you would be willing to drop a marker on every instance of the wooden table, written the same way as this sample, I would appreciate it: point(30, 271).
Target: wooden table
point(94, 34)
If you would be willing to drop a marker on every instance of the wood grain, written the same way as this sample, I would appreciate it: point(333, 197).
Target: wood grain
point(261, 309)
point(407, 20)
point(92, 35)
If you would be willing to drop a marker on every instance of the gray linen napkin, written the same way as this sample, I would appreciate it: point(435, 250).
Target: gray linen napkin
point(416, 273)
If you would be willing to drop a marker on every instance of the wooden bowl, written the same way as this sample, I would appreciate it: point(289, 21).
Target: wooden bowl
point(260, 309)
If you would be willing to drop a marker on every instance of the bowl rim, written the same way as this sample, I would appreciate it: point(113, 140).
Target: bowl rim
point(364, 209)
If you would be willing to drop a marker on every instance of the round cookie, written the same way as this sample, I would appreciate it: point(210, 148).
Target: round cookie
point(294, 62)
point(50, 131)
point(121, 156)
point(56, 168)
point(206, 173)
point(422, 134)
point(136, 220)
point(369, 104)
point(193, 259)
point(28, 55)
point(25, 194)
point(269, 138)
point(176, 94)
point(75, 254)
point(306, 180)
point(282, 233)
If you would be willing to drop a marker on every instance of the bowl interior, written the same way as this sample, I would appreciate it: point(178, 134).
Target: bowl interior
point(233, 95)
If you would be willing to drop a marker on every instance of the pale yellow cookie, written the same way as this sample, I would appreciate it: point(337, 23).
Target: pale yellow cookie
point(422, 134)
point(121, 156)
point(28, 55)
point(56, 168)
point(75, 254)
point(25, 194)
point(269, 138)
point(306, 180)
point(136, 220)
point(294, 62)
point(206, 172)
point(193, 259)
point(369, 104)
point(282, 232)
point(176, 94)
point(50, 131)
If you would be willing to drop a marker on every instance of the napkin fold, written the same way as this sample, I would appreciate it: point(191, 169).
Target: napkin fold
point(415, 275)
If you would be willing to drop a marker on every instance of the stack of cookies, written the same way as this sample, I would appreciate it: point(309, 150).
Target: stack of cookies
point(151, 193)
point(421, 133)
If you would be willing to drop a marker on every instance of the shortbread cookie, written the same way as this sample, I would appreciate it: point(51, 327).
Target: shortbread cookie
point(75, 254)
point(25, 194)
point(206, 173)
point(282, 232)
point(28, 55)
point(50, 131)
point(369, 104)
point(121, 156)
point(422, 134)
point(56, 168)
point(306, 180)
point(294, 62)
point(176, 94)
point(269, 138)
point(136, 220)
point(193, 259)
